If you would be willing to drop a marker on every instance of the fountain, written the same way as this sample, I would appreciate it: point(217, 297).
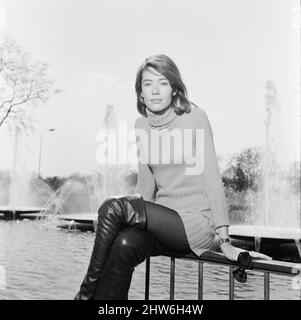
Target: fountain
point(23, 194)
point(24, 197)
point(81, 197)
point(275, 207)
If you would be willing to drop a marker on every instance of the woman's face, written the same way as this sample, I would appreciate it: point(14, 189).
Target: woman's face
point(156, 90)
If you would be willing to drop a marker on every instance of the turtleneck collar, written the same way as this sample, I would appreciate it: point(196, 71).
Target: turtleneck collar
point(161, 121)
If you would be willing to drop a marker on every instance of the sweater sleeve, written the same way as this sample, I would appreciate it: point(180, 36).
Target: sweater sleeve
point(211, 176)
point(146, 185)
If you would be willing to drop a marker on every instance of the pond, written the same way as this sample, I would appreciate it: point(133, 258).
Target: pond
point(43, 262)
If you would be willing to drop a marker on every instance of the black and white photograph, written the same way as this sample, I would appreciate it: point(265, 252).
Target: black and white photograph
point(150, 150)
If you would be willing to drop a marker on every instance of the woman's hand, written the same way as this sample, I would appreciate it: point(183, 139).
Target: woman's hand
point(232, 252)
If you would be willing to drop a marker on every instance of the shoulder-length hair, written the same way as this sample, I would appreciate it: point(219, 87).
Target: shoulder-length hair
point(165, 66)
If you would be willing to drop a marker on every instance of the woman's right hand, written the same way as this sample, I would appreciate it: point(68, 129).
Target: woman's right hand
point(231, 252)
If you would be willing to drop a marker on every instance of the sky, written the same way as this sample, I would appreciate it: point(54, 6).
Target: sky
point(225, 50)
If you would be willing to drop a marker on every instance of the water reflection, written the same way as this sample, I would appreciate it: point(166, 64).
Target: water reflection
point(43, 262)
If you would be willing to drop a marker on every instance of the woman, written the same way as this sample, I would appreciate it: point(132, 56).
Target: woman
point(178, 205)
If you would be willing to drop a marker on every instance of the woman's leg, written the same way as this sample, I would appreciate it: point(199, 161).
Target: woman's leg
point(131, 247)
point(115, 214)
point(119, 212)
point(166, 226)
point(165, 234)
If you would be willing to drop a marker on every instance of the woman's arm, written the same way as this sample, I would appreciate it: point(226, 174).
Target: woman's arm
point(210, 176)
point(225, 243)
point(145, 183)
point(214, 189)
point(232, 252)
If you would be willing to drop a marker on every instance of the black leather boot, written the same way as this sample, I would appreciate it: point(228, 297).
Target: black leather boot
point(115, 214)
point(130, 248)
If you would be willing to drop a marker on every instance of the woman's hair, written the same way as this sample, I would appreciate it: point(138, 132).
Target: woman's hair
point(165, 66)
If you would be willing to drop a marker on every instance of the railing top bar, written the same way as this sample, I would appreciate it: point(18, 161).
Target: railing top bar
point(282, 267)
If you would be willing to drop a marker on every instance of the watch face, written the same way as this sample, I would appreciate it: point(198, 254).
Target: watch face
point(221, 241)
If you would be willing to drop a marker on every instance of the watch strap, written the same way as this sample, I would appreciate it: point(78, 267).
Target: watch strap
point(225, 240)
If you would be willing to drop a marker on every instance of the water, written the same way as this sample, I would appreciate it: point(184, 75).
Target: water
point(44, 262)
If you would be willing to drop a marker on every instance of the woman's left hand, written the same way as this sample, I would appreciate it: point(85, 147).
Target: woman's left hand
point(232, 252)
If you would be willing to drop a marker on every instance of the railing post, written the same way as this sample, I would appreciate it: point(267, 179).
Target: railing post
point(200, 280)
point(231, 283)
point(266, 268)
point(147, 274)
point(266, 286)
point(257, 242)
point(172, 278)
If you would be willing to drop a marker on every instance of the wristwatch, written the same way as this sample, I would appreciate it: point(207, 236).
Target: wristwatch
point(221, 240)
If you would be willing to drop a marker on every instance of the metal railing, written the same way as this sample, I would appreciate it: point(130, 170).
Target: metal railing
point(267, 267)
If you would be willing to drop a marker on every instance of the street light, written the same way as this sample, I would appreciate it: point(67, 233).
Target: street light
point(40, 156)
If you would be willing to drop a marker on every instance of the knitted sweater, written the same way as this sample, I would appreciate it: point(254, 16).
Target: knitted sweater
point(183, 175)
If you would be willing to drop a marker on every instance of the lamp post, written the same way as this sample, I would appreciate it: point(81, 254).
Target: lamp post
point(40, 153)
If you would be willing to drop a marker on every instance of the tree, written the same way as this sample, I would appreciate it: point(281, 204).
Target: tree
point(243, 172)
point(24, 84)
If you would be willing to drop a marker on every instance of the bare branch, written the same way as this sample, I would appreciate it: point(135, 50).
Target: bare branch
point(6, 101)
point(17, 104)
point(23, 82)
